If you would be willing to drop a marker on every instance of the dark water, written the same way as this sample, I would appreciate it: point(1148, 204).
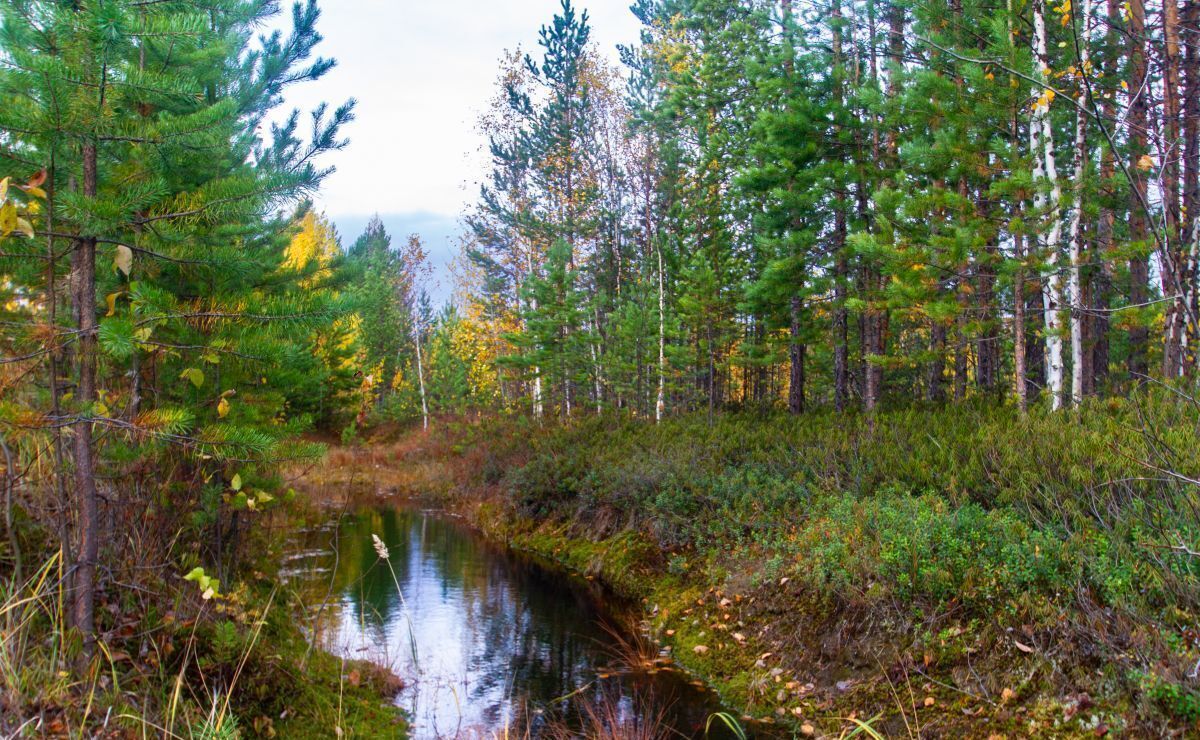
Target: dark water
point(486, 639)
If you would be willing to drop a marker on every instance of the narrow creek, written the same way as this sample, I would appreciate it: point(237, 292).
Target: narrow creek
point(487, 640)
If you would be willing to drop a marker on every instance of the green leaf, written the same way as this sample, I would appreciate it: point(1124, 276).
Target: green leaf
point(194, 375)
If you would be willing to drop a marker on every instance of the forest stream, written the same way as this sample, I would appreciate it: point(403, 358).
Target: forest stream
point(486, 639)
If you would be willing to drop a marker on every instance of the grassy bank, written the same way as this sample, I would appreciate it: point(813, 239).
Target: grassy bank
point(171, 662)
point(937, 570)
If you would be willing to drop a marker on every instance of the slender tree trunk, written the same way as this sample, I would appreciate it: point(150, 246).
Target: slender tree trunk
point(960, 350)
point(1171, 262)
point(1035, 340)
point(1138, 120)
point(1046, 169)
point(660, 403)
point(537, 372)
point(935, 383)
point(1106, 225)
point(1020, 348)
point(841, 356)
point(796, 352)
point(1190, 226)
point(83, 608)
point(1020, 353)
point(1075, 272)
point(877, 317)
point(421, 376)
point(60, 456)
point(596, 380)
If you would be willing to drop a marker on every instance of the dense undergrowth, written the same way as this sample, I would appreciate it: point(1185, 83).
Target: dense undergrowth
point(1038, 571)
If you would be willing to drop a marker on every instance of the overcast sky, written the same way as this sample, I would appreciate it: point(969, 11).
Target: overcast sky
point(422, 71)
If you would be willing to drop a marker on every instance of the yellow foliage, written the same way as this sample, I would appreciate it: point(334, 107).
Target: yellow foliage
point(316, 242)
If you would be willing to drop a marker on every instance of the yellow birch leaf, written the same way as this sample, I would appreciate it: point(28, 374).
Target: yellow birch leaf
point(1145, 162)
point(123, 259)
point(111, 300)
point(24, 227)
point(8, 218)
point(223, 408)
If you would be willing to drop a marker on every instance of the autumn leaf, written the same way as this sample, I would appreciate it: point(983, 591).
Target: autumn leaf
point(236, 482)
point(123, 259)
point(111, 300)
point(1145, 162)
point(8, 218)
point(223, 408)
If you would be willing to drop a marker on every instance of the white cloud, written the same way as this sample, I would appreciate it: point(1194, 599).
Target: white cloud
point(421, 70)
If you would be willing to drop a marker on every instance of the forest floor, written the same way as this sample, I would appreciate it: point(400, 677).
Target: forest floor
point(931, 574)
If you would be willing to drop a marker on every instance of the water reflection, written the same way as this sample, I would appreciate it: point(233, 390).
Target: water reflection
point(485, 638)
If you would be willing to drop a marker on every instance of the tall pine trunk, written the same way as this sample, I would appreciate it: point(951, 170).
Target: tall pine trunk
point(1106, 225)
point(88, 521)
point(1170, 256)
point(1137, 124)
point(796, 352)
point(1075, 235)
point(841, 354)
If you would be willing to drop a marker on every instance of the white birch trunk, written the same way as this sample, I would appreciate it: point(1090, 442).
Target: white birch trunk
point(1191, 328)
point(596, 381)
point(421, 379)
point(1045, 168)
point(537, 374)
point(537, 378)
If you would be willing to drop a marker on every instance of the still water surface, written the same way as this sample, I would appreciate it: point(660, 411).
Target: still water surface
point(485, 638)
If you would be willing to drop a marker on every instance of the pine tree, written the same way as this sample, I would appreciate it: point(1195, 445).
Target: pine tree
point(164, 201)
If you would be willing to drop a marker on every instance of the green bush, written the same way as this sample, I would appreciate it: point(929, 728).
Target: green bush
point(924, 546)
point(1041, 504)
